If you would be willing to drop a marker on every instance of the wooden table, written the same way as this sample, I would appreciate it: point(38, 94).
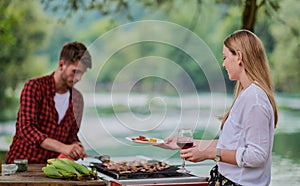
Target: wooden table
point(35, 177)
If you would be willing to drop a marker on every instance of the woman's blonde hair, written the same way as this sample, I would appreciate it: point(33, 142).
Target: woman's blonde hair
point(255, 63)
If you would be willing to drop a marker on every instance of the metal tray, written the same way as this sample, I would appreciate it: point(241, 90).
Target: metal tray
point(166, 173)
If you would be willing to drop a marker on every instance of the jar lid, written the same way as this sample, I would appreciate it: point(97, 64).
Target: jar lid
point(21, 161)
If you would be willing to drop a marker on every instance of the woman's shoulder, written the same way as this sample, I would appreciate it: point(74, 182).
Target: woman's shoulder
point(255, 95)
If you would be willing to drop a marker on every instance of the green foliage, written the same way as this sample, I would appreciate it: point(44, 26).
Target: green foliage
point(21, 34)
point(212, 21)
point(192, 15)
point(23, 29)
point(99, 27)
point(286, 56)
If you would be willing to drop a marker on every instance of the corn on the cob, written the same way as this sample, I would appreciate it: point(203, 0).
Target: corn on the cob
point(51, 172)
point(50, 161)
point(61, 165)
point(67, 174)
point(67, 169)
point(80, 168)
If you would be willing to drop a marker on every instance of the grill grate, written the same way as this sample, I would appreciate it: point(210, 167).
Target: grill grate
point(166, 173)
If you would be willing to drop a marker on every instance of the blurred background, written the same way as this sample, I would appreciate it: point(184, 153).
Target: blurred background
point(33, 32)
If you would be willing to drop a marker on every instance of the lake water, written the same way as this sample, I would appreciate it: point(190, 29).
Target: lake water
point(104, 128)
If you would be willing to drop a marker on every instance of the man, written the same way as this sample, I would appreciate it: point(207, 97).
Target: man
point(50, 111)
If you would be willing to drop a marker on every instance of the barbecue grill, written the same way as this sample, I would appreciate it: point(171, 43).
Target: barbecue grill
point(168, 176)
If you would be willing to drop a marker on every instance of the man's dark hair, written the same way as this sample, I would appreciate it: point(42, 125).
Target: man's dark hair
point(74, 51)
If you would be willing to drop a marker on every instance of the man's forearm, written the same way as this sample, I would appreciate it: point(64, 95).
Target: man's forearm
point(52, 145)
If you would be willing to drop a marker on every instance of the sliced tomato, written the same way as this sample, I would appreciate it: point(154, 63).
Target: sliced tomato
point(142, 137)
point(62, 155)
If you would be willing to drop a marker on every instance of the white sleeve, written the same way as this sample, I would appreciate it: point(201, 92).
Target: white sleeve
point(258, 138)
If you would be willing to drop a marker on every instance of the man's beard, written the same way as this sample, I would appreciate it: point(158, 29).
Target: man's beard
point(68, 84)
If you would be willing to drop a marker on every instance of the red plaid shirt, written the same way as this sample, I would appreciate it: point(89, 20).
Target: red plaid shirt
point(38, 119)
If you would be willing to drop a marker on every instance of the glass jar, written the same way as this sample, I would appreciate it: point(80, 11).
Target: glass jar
point(22, 165)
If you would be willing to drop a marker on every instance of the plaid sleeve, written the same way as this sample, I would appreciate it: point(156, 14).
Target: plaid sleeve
point(30, 101)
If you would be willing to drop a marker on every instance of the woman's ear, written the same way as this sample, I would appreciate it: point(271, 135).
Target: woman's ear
point(240, 55)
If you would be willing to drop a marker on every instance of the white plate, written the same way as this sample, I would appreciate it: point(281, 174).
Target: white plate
point(158, 141)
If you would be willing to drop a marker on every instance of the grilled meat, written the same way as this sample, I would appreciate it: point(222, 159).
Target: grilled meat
point(123, 167)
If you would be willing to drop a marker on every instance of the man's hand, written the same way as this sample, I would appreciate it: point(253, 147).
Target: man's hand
point(74, 151)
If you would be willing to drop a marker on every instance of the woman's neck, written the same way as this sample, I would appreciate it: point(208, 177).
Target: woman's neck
point(245, 81)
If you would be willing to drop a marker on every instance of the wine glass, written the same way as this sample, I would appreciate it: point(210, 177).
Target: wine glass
point(184, 141)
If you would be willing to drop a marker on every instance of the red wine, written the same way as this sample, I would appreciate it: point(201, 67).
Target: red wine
point(185, 145)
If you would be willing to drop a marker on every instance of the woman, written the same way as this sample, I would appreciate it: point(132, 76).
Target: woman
point(244, 149)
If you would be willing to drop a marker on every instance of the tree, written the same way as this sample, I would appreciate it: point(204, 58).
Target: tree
point(191, 18)
point(264, 17)
point(21, 33)
point(251, 8)
point(248, 17)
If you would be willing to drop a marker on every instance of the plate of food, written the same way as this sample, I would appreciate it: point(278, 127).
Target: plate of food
point(145, 140)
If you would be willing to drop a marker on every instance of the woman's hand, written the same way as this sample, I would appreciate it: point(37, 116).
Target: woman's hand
point(202, 150)
point(195, 154)
point(169, 143)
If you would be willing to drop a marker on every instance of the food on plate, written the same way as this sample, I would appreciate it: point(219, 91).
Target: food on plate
point(153, 140)
point(123, 167)
point(143, 138)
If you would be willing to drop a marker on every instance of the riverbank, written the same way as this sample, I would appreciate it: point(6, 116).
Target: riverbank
point(106, 133)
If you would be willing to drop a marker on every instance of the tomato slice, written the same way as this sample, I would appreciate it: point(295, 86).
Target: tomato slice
point(141, 137)
point(62, 155)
